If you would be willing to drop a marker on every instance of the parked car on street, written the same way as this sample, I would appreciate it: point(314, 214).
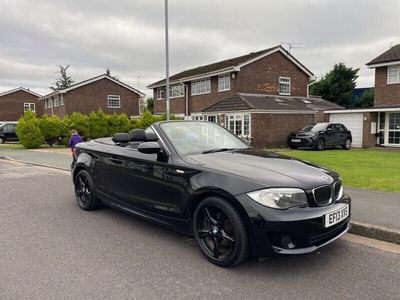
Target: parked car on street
point(321, 136)
point(199, 179)
point(7, 132)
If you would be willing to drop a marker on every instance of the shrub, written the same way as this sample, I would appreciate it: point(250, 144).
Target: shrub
point(117, 123)
point(28, 131)
point(97, 124)
point(147, 119)
point(51, 127)
point(79, 122)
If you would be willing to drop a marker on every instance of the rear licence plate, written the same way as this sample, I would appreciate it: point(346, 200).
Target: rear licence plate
point(336, 216)
point(296, 140)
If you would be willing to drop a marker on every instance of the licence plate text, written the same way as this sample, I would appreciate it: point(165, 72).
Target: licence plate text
point(336, 216)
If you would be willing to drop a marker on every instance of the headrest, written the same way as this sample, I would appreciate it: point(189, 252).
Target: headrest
point(121, 138)
point(151, 137)
point(136, 135)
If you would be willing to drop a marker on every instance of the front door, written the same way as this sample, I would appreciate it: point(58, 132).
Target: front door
point(394, 129)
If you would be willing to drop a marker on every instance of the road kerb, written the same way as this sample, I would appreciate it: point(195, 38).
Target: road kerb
point(376, 232)
point(34, 164)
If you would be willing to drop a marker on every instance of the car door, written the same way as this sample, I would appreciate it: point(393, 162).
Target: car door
point(12, 135)
point(142, 181)
point(330, 135)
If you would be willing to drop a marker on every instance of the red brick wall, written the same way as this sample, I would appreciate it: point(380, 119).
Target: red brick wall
point(93, 96)
point(271, 130)
point(369, 140)
point(12, 105)
point(261, 76)
point(385, 94)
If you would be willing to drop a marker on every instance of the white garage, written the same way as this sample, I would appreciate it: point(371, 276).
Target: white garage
point(353, 122)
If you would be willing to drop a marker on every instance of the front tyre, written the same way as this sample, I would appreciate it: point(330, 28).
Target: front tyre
point(220, 232)
point(84, 191)
point(2, 140)
point(347, 144)
point(320, 145)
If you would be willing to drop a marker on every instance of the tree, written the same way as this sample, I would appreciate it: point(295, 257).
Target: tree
point(28, 131)
point(337, 85)
point(51, 127)
point(64, 80)
point(367, 99)
point(150, 104)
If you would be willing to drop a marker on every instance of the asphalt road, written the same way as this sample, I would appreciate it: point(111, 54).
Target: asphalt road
point(50, 249)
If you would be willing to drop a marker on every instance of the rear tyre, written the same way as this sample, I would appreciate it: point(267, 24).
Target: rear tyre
point(84, 191)
point(347, 144)
point(2, 140)
point(220, 232)
point(293, 147)
point(320, 145)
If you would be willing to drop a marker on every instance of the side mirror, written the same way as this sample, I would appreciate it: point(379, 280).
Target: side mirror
point(328, 129)
point(149, 148)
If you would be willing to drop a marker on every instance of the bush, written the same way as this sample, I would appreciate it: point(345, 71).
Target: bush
point(28, 131)
point(147, 119)
point(77, 121)
point(51, 127)
point(117, 123)
point(98, 124)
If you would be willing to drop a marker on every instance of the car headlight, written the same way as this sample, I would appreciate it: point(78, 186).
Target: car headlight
point(280, 198)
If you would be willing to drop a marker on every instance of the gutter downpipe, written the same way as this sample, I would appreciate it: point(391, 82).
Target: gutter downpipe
point(186, 98)
point(310, 84)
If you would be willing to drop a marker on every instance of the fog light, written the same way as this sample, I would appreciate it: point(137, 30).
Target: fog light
point(287, 242)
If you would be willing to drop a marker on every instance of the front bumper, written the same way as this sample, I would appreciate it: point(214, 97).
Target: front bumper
point(270, 229)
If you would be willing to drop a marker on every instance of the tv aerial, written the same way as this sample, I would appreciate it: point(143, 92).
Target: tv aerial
point(291, 45)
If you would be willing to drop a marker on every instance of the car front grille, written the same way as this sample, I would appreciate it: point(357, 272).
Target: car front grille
point(323, 195)
point(336, 189)
point(326, 234)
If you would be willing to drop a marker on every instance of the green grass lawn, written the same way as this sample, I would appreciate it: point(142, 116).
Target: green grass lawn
point(361, 168)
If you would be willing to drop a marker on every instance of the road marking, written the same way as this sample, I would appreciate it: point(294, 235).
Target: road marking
point(377, 244)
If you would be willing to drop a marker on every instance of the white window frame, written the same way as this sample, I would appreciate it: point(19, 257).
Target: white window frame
point(197, 86)
point(176, 91)
point(238, 117)
point(45, 103)
point(224, 82)
point(284, 81)
point(29, 106)
point(160, 93)
point(56, 102)
point(114, 98)
point(397, 71)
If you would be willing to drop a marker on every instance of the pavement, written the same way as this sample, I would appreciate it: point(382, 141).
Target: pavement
point(374, 214)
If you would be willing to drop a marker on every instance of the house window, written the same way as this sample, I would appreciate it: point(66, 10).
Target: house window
point(61, 100)
point(56, 102)
point(114, 101)
point(393, 74)
point(238, 124)
point(224, 82)
point(29, 106)
point(176, 91)
point(284, 85)
point(160, 93)
point(200, 118)
point(45, 104)
point(201, 87)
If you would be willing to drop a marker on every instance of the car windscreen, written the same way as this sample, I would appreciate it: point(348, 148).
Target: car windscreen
point(314, 127)
point(200, 137)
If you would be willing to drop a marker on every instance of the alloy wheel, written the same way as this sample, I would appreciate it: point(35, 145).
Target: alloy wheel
point(83, 191)
point(215, 232)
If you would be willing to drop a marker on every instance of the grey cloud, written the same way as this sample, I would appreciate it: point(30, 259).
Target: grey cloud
point(128, 36)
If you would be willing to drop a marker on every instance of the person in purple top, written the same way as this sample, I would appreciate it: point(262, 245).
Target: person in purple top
point(73, 141)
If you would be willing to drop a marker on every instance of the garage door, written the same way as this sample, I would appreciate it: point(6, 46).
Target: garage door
point(353, 122)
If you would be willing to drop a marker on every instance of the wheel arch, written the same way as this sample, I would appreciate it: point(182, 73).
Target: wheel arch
point(204, 193)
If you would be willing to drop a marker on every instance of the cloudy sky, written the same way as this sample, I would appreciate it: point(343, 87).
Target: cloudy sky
point(127, 36)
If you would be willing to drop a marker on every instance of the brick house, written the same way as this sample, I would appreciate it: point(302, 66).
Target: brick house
point(103, 92)
point(15, 102)
point(379, 125)
point(249, 95)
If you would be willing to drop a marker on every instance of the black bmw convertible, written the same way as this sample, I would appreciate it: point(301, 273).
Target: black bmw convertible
point(199, 179)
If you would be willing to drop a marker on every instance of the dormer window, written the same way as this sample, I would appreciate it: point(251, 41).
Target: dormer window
point(393, 74)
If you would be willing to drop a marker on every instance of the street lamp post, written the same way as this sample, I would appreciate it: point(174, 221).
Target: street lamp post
point(166, 62)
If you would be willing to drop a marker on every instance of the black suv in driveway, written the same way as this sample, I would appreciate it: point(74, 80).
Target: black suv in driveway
point(7, 132)
point(321, 136)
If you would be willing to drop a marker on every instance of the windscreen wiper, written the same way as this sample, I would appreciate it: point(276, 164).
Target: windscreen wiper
point(220, 150)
